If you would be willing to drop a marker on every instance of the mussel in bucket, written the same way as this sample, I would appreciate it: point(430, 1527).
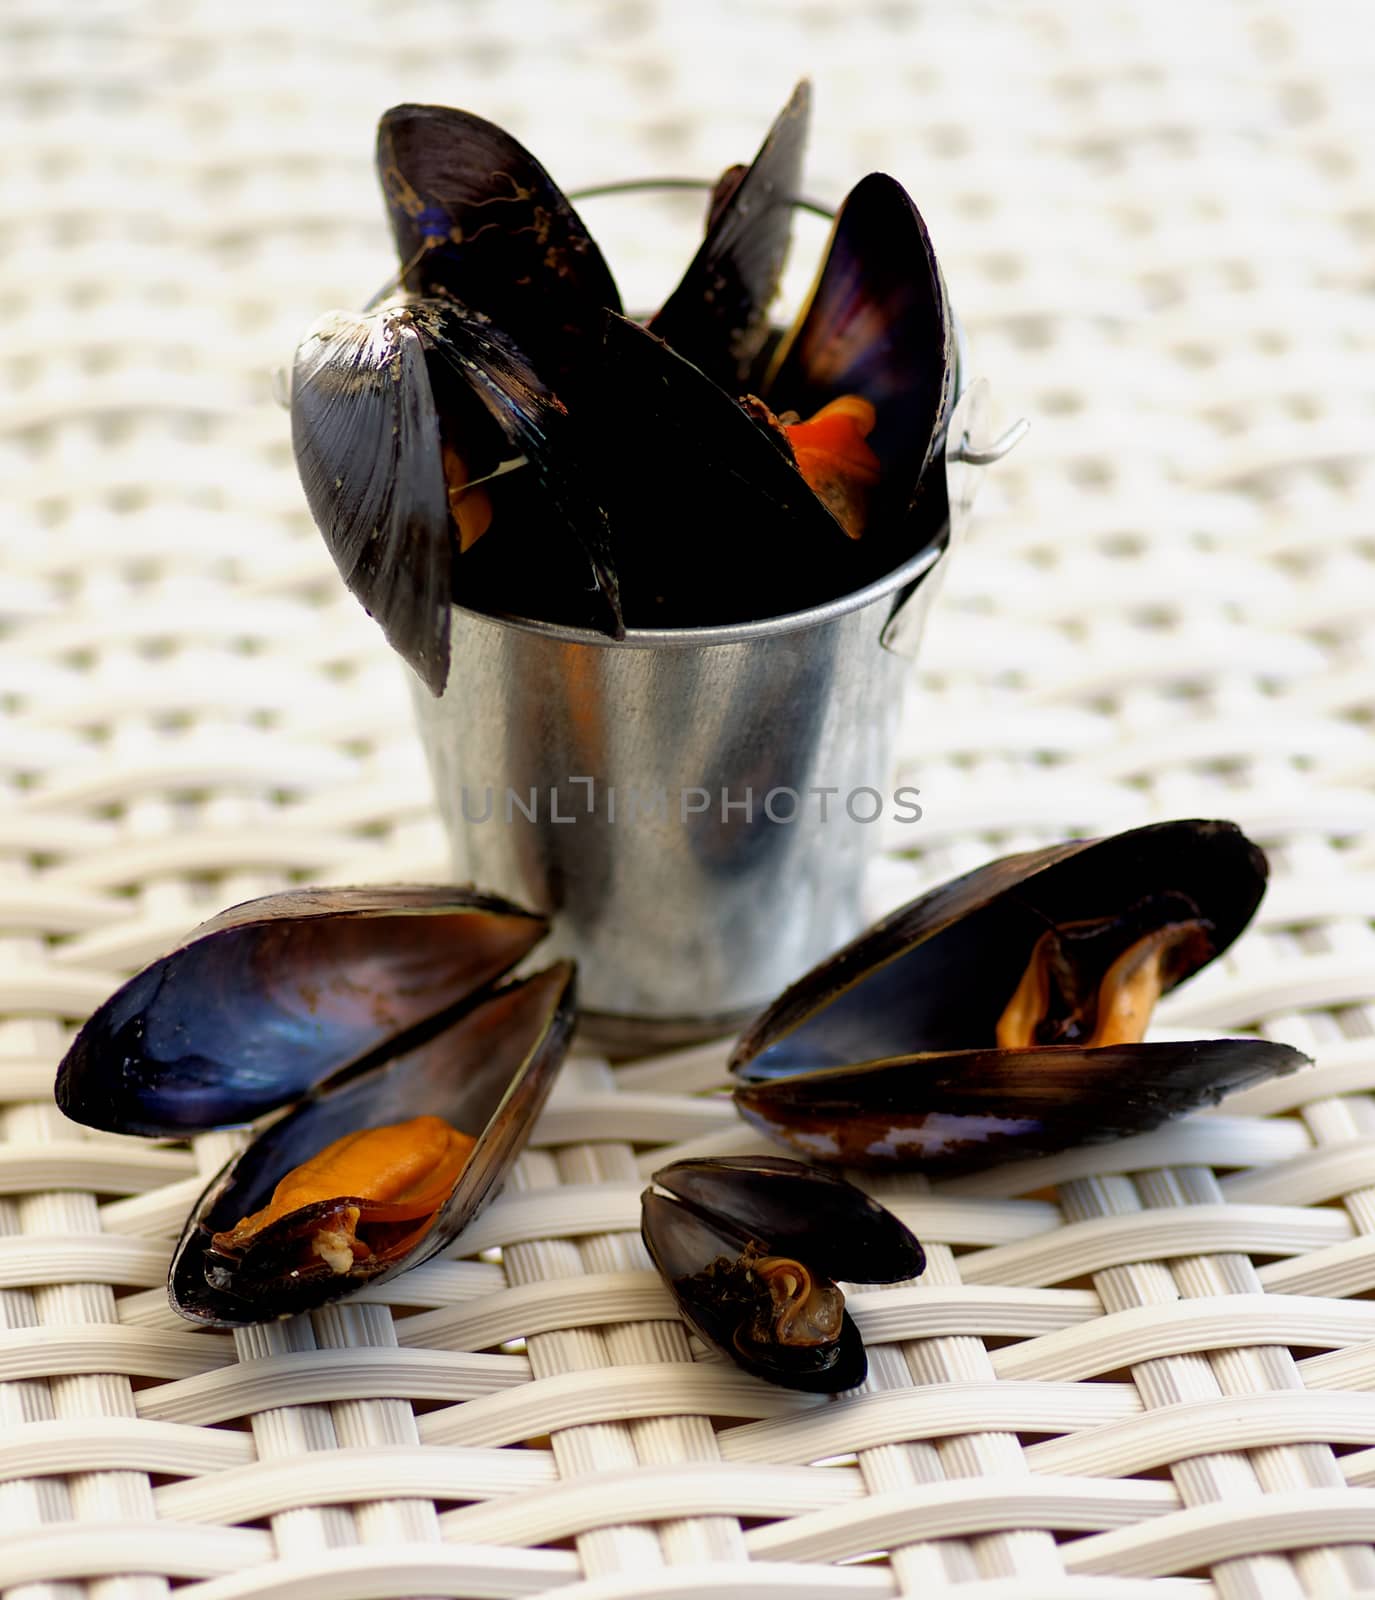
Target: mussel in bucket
point(409, 423)
point(1003, 1014)
point(478, 221)
point(497, 433)
point(441, 409)
point(718, 316)
point(750, 1249)
point(382, 1016)
point(855, 402)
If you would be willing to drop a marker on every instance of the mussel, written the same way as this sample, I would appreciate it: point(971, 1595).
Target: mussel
point(1002, 1015)
point(410, 423)
point(498, 433)
point(750, 1249)
point(717, 317)
point(478, 221)
point(380, 1014)
point(877, 327)
point(855, 401)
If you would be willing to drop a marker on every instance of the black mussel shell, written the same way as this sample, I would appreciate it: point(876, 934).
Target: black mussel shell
point(720, 1217)
point(366, 435)
point(717, 317)
point(276, 995)
point(877, 323)
point(477, 219)
point(712, 523)
point(887, 1054)
point(707, 1270)
point(936, 974)
point(955, 1111)
point(801, 1211)
point(375, 401)
point(488, 1073)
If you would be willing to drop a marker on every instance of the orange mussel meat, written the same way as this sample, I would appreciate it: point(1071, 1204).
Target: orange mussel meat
point(389, 1185)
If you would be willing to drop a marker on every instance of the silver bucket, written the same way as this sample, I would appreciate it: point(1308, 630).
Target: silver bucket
point(695, 807)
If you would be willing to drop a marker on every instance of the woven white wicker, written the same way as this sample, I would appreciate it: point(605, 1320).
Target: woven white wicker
point(1140, 1371)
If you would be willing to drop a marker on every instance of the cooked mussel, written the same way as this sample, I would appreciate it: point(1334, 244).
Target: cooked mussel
point(1003, 1014)
point(732, 489)
point(875, 345)
point(828, 489)
point(415, 1071)
point(750, 1249)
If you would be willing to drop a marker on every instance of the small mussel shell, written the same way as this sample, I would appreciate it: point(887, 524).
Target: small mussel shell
point(487, 1074)
point(935, 974)
point(272, 997)
point(720, 1217)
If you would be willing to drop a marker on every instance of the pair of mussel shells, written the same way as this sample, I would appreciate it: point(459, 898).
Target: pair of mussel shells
point(363, 1010)
point(999, 1017)
point(498, 434)
point(751, 1249)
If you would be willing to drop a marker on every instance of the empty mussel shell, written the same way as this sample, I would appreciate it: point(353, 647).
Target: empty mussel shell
point(1001, 1015)
point(717, 317)
point(750, 1249)
point(275, 995)
point(371, 1009)
point(415, 426)
point(478, 220)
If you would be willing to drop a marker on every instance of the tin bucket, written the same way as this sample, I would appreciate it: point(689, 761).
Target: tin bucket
point(694, 807)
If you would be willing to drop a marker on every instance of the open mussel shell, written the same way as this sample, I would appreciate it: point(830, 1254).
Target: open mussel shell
point(877, 323)
point(477, 219)
point(488, 1073)
point(937, 973)
point(717, 317)
point(385, 405)
point(889, 1052)
point(276, 995)
point(724, 1227)
point(715, 524)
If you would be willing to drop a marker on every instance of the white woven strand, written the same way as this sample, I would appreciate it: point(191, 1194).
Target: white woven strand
point(1234, 1369)
point(80, 1391)
point(954, 1358)
point(659, 1441)
point(590, 1446)
point(670, 1438)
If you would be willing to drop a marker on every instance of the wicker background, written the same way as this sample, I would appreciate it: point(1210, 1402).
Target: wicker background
point(1149, 1371)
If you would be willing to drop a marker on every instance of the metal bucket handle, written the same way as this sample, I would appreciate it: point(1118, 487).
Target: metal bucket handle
point(970, 447)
